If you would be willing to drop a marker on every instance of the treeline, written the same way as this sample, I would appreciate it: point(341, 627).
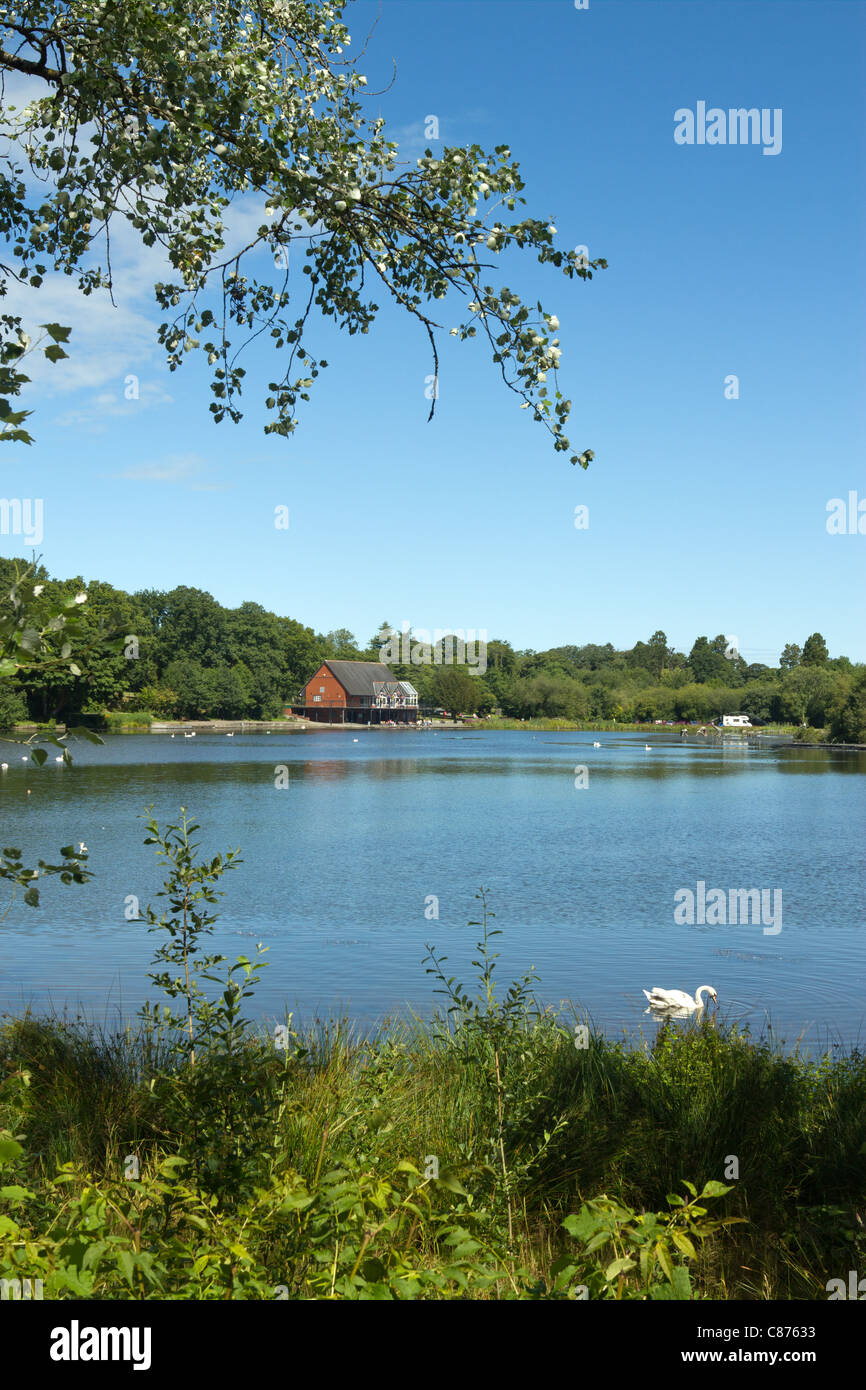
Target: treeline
point(653, 681)
point(188, 657)
point(185, 656)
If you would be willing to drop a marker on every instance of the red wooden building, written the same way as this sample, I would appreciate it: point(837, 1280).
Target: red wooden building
point(357, 692)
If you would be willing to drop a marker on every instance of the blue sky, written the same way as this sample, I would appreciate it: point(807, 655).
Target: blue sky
point(706, 514)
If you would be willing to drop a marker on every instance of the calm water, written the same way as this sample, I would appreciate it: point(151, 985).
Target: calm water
point(338, 868)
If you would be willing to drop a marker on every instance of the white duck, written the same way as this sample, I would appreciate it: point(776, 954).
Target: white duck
point(666, 999)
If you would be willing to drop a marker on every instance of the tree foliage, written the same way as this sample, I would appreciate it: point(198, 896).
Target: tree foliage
point(815, 651)
point(171, 117)
point(181, 654)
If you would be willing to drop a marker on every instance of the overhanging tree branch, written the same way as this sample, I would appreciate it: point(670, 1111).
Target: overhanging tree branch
point(195, 107)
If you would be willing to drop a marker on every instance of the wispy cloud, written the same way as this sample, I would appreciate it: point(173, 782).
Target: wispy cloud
point(187, 470)
point(95, 415)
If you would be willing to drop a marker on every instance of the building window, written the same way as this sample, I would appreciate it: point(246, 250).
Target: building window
point(321, 690)
point(316, 699)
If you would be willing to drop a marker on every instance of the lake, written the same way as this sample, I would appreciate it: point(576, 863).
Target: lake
point(346, 865)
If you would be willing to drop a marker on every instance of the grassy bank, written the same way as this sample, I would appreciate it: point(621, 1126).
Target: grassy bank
point(477, 1161)
point(612, 726)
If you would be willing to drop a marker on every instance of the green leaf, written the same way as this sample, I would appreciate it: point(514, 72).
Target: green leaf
point(683, 1243)
point(296, 1201)
point(14, 1193)
point(10, 1149)
point(664, 1259)
point(126, 1260)
point(452, 1184)
point(54, 353)
point(682, 1283)
point(715, 1189)
point(57, 332)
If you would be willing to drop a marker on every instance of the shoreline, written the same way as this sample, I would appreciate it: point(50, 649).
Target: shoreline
point(501, 725)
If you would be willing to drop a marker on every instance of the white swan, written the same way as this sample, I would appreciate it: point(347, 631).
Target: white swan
point(678, 999)
point(596, 745)
point(648, 747)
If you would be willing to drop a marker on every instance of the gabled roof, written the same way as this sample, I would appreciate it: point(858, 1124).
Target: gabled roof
point(359, 677)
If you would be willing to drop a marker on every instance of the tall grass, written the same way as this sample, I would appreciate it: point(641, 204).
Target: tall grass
point(630, 1122)
point(115, 720)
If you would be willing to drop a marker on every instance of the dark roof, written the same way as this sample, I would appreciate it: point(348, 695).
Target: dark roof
point(359, 677)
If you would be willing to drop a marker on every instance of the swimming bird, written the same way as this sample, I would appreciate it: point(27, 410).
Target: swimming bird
point(59, 758)
point(676, 999)
point(596, 745)
point(230, 735)
point(648, 747)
